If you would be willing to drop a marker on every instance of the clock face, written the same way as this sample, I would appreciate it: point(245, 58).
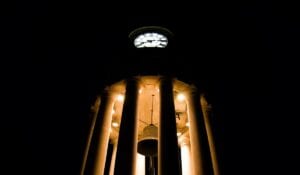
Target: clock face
point(151, 40)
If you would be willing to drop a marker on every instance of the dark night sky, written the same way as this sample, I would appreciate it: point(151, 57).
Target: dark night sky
point(60, 55)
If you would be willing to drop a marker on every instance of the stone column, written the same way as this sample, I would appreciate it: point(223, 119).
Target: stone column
point(206, 110)
point(99, 143)
point(113, 157)
point(127, 143)
point(202, 163)
point(168, 155)
point(94, 114)
point(185, 156)
point(141, 164)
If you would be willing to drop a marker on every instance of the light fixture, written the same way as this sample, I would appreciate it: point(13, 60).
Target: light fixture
point(140, 91)
point(180, 97)
point(147, 145)
point(120, 98)
point(115, 124)
point(187, 124)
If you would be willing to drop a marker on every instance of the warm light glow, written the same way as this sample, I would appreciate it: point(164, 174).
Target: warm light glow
point(186, 159)
point(151, 40)
point(147, 107)
point(115, 124)
point(120, 98)
point(180, 97)
point(140, 168)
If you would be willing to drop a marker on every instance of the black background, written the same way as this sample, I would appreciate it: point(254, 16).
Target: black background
point(57, 56)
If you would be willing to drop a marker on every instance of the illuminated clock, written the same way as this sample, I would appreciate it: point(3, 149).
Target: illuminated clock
point(151, 40)
point(150, 37)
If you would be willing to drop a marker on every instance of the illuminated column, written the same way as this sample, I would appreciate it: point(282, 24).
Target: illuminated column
point(168, 162)
point(202, 164)
point(127, 142)
point(94, 110)
point(141, 165)
point(206, 110)
point(98, 148)
point(113, 157)
point(185, 148)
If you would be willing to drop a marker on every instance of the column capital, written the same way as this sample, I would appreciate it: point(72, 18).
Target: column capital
point(96, 104)
point(193, 90)
point(184, 140)
point(166, 77)
point(135, 79)
point(207, 106)
point(134, 82)
point(114, 141)
point(107, 92)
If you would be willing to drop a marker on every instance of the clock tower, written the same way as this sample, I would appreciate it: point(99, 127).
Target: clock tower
point(152, 122)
